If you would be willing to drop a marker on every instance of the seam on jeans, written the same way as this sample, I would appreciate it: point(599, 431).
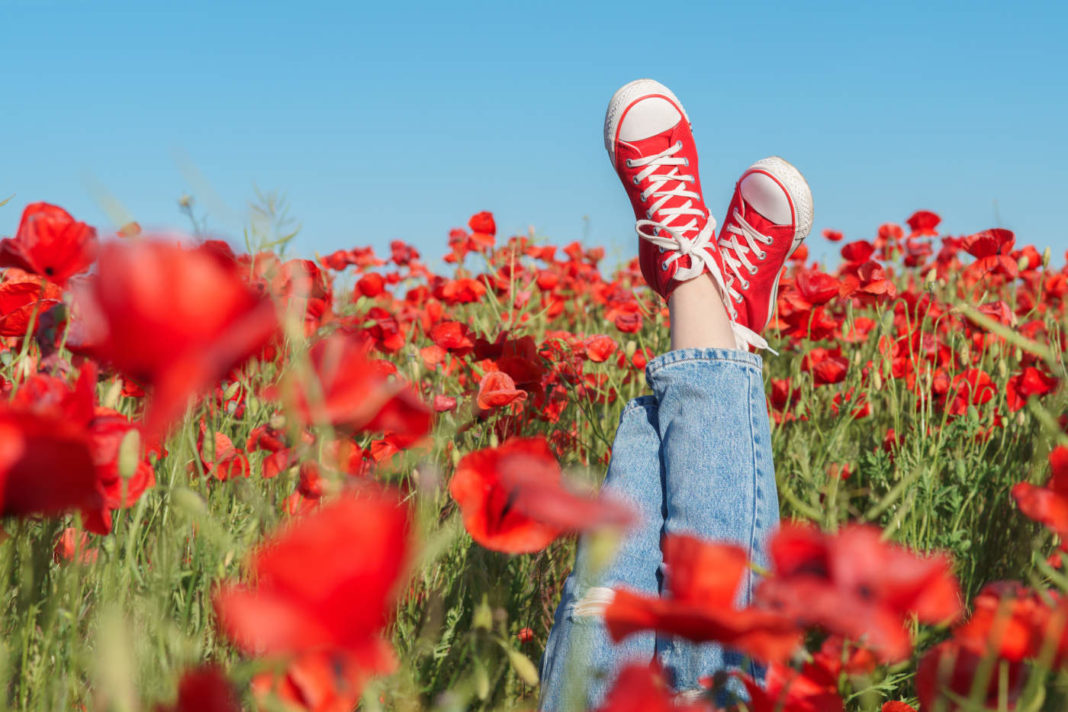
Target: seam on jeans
point(756, 477)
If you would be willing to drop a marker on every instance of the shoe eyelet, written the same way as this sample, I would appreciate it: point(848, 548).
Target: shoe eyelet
point(648, 214)
point(630, 163)
point(745, 285)
point(678, 144)
point(635, 180)
point(685, 161)
point(664, 266)
point(762, 255)
point(662, 250)
point(753, 270)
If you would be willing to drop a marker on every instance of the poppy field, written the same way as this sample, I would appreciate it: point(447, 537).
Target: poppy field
point(239, 480)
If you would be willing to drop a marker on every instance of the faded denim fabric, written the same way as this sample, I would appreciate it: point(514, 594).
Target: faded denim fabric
point(694, 457)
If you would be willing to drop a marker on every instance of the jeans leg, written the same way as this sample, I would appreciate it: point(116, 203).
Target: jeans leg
point(579, 655)
point(719, 480)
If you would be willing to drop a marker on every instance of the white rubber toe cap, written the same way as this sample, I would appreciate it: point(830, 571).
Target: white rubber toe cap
point(648, 117)
point(767, 197)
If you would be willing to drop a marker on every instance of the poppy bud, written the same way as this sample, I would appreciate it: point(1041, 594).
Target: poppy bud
point(1046, 257)
point(111, 396)
point(630, 348)
point(930, 278)
point(483, 617)
point(878, 380)
point(231, 390)
point(1017, 353)
point(1022, 262)
point(456, 456)
point(494, 440)
point(1003, 369)
point(129, 453)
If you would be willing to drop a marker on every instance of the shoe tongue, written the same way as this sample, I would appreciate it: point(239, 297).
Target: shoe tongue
point(650, 146)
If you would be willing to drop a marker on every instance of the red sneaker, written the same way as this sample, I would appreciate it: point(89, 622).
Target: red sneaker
point(769, 216)
point(650, 142)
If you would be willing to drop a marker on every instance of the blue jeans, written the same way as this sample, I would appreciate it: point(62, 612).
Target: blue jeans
point(693, 457)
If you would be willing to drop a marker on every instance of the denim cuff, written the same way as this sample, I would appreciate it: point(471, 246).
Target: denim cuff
point(738, 356)
point(646, 402)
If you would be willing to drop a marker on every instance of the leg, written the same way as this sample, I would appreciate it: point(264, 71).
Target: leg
point(719, 480)
point(580, 659)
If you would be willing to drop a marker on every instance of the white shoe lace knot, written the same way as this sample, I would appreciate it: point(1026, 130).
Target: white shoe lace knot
point(668, 231)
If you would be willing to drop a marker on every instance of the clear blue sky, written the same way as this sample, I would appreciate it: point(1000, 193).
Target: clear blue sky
point(399, 120)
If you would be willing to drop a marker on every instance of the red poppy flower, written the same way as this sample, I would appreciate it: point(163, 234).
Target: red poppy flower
point(122, 477)
point(854, 584)
point(73, 545)
point(923, 222)
point(513, 499)
point(497, 389)
point(788, 690)
point(22, 298)
point(992, 249)
point(640, 687)
point(370, 285)
point(816, 287)
point(173, 318)
point(313, 682)
point(858, 251)
point(50, 243)
point(318, 591)
point(825, 365)
point(356, 396)
point(1049, 504)
point(1008, 620)
point(1029, 382)
point(703, 583)
point(46, 466)
point(452, 336)
point(599, 348)
point(204, 690)
point(971, 387)
point(897, 706)
point(832, 235)
point(950, 667)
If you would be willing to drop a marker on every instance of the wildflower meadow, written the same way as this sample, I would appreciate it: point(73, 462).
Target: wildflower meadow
point(234, 479)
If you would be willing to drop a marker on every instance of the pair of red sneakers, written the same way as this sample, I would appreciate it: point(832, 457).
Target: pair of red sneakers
point(650, 141)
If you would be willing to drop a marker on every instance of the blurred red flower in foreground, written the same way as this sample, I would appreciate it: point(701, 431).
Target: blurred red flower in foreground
point(854, 584)
point(173, 318)
point(356, 394)
point(50, 243)
point(703, 581)
point(641, 688)
point(45, 464)
point(811, 689)
point(204, 690)
point(316, 683)
point(1049, 504)
point(325, 585)
point(948, 666)
point(513, 499)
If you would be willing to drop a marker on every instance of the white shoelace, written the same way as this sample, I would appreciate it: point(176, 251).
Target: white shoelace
point(736, 257)
point(684, 239)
